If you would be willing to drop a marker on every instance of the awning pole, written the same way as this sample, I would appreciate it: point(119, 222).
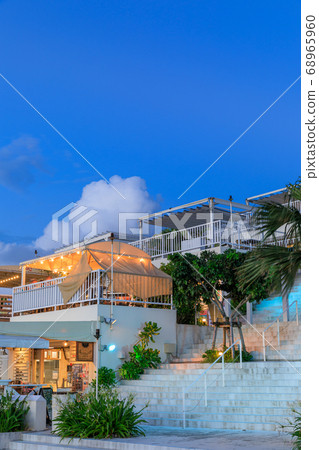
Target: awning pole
point(112, 290)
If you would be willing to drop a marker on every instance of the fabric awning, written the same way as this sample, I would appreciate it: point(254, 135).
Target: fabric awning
point(133, 271)
point(81, 331)
point(22, 342)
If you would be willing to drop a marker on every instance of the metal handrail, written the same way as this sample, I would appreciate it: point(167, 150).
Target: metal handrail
point(278, 326)
point(203, 374)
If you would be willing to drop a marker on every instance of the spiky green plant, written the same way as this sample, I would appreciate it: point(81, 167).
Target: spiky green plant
point(106, 417)
point(12, 413)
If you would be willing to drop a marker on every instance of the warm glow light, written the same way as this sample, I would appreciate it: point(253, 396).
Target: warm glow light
point(77, 252)
point(9, 279)
point(61, 257)
point(65, 344)
point(41, 262)
point(220, 353)
point(51, 259)
point(141, 260)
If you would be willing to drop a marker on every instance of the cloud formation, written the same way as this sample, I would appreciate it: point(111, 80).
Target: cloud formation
point(106, 206)
point(19, 161)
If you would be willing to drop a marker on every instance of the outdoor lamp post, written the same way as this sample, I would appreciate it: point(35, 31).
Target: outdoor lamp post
point(97, 336)
point(112, 262)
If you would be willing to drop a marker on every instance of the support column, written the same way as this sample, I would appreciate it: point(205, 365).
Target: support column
point(41, 363)
point(211, 219)
point(140, 226)
point(227, 307)
point(249, 315)
point(284, 307)
point(23, 276)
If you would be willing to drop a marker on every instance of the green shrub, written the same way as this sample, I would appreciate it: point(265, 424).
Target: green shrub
point(142, 357)
point(293, 427)
point(12, 413)
point(146, 335)
point(107, 378)
point(210, 356)
point(106, 417)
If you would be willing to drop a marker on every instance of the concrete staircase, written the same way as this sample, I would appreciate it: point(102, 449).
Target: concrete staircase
point(257, 397)
point(289, 348)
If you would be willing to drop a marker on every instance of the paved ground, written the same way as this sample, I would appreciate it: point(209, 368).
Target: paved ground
point(199, 439)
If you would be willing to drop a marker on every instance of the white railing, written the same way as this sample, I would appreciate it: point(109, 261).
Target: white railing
point(201, 237)
point(187, 239)
point(277, 321)
point(46, 294)
point(204, 375)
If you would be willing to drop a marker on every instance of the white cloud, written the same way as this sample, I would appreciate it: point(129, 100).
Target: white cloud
point(99, 196)
point(108, 204)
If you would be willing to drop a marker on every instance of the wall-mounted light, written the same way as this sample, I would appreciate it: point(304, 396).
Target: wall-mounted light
point(107, 320)
point(107, 348)
point(4, 351)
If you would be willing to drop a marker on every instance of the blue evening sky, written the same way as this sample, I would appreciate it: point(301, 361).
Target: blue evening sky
point(155, 89)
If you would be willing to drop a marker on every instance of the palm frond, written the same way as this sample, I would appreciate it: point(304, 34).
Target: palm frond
point(272, 218)
point(283, 262)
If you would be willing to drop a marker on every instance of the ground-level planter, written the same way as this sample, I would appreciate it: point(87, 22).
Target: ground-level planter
point(5, 438)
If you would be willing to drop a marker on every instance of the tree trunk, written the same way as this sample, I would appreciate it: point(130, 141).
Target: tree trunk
point(232, 336)
point(214, 336)
point(241, 336)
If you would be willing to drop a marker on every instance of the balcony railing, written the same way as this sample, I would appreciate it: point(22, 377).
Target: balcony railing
point(46, 295)
point(239, 235)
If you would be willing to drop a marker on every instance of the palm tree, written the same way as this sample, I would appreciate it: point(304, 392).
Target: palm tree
point(280, 250)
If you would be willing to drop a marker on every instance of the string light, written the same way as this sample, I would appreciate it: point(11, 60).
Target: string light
point(10, 279)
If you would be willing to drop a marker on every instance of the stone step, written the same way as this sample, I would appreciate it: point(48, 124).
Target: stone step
point(213, 425)
point(212, 374)
point(216, 410)
point(46, 441)
point(212, 417)
point(231, 396)
point(215, 402)
point(195, 372)
point(251, 365)
point(231, 389)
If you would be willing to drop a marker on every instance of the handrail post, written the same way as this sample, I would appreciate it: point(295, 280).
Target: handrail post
point(184, 418)
point(278, 331)
point(205, 385)
point(241, 354)
point(223, 369)
point(264, 348)
point(297, 318)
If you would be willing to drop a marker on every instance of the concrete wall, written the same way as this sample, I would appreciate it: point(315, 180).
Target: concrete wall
point(187, 335)
point(129, 320)
point(6, 438)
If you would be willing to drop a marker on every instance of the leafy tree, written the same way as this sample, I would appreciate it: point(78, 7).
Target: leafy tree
point(187, 289)
point(199, 279)
point(281, 224)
